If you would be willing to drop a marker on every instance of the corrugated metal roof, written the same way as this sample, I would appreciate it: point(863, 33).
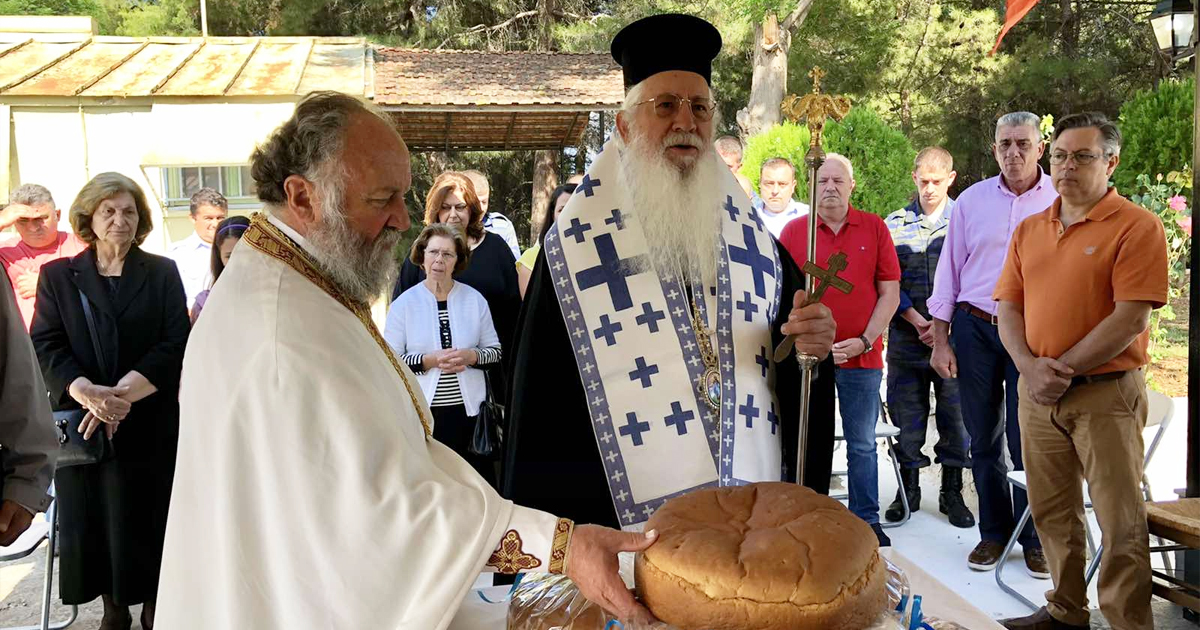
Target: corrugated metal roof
point(181, 66)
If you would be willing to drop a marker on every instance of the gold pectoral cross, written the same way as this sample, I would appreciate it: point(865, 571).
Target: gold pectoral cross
point(828, 278)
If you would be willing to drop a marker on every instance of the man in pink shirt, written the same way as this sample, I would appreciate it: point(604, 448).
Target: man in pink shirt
point(32, 213)
point(964, 325)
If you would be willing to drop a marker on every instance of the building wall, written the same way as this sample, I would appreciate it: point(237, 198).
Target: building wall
point(62, 147)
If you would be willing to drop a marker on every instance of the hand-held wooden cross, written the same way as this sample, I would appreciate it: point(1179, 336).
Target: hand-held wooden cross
point(828, 278)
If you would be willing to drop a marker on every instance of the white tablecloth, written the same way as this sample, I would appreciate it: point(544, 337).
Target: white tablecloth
point(938, 600)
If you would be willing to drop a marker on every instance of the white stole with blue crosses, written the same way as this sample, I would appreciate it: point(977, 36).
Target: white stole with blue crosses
point(636, 351)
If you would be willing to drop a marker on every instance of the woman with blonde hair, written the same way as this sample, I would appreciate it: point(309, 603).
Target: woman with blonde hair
point(113, 512)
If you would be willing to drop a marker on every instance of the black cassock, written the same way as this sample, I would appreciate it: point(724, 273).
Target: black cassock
point(551, 458)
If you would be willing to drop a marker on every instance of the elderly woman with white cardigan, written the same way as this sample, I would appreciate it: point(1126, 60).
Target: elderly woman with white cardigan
point(443, 331)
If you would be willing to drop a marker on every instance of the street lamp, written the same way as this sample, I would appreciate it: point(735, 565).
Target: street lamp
point(1173, 22)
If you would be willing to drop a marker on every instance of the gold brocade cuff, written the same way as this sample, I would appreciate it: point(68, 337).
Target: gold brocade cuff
point(562, 543)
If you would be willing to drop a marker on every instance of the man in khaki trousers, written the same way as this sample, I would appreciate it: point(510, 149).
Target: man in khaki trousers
point(1075, 298)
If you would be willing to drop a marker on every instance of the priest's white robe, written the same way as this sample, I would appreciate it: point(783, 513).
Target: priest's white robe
point(307, 493)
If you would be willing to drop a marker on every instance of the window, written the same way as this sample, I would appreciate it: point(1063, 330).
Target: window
point(181, 182)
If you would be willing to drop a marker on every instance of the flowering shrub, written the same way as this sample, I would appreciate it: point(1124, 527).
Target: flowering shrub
point(1163, 195)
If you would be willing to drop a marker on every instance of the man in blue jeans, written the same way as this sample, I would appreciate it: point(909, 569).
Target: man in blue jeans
point(862, 315)
point(964, 327)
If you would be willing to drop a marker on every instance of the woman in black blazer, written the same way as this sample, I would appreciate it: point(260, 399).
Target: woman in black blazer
point(113, 514)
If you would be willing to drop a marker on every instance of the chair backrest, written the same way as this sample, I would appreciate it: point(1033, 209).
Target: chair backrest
point(1161, 410)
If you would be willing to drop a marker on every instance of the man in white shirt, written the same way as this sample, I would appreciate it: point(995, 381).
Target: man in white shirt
point(493, 222)
point(193, 255)
point(775, 204)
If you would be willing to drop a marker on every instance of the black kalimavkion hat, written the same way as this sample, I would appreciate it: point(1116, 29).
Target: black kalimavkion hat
point(660, 43)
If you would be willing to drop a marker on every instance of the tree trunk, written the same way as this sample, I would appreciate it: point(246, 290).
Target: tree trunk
point(906, 121)
point(545, 179)
point(772, 41)
point(769, 79)
point(1070, 48)
point(545, 163)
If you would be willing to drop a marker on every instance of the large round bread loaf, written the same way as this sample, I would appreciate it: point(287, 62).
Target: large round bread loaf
point(767, 556)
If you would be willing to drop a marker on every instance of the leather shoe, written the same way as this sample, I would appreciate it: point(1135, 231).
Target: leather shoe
point(1036, 565)
point(1040, 620)
point(985, 555)
point(884, 541)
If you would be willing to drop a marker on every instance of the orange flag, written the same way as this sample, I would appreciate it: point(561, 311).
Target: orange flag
point(1013, 14)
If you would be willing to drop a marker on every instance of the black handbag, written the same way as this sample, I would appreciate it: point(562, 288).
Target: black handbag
point(485, 439)
point(73, 449)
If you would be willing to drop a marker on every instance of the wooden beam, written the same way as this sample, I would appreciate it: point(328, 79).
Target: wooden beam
point(508, 133)
point(446, 132)
point(571, 129)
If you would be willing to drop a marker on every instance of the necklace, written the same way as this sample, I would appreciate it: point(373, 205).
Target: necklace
point(709, 383)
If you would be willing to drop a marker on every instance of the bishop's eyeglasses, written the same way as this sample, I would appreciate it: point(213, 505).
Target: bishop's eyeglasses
point(667, 105)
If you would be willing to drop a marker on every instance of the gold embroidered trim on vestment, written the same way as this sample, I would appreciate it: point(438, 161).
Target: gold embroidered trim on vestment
point(271, 241)
point(510, 558)
point(562, 540)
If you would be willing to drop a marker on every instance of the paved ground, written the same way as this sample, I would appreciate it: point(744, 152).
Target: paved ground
point(21, 580)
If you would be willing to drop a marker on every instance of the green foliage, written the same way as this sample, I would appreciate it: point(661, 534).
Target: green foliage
point(165, 17)
point(1167, 197)
point(1157, 130)
point(882, 158)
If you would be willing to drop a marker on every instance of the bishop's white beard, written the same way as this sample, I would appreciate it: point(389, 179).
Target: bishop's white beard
point(362, 269)
point(678, 208)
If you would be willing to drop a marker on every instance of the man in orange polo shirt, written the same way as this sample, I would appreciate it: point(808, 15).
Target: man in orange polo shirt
point(862, 316)
point(1083, 394)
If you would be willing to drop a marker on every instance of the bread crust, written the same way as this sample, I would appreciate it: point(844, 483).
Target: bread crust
point(767, 556)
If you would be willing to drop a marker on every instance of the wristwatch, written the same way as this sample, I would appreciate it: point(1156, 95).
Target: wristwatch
point(866, 344)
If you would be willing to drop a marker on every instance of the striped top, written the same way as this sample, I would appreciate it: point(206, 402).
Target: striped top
point(448, 393)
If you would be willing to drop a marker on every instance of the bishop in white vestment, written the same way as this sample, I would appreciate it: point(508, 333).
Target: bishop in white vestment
point(308, 492)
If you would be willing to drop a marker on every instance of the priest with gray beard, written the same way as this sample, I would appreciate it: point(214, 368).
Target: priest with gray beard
point(643, 362)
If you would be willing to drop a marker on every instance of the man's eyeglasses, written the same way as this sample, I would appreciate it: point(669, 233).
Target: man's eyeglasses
point(437, 253)
point(667, 105)
point(1081, 158)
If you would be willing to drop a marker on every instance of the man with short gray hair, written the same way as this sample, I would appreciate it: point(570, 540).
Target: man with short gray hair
point(964, 325)
point(730, 150)
point(32, 213)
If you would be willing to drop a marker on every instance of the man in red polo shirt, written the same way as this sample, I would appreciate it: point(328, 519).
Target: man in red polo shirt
point(31, 212)
point(861, 316)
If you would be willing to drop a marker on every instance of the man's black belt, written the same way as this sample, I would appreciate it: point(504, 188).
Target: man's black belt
point(1096, 378)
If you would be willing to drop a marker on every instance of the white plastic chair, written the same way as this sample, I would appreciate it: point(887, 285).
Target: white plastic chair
point(887, 432)
point(25, 545)
point(1161, 409)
